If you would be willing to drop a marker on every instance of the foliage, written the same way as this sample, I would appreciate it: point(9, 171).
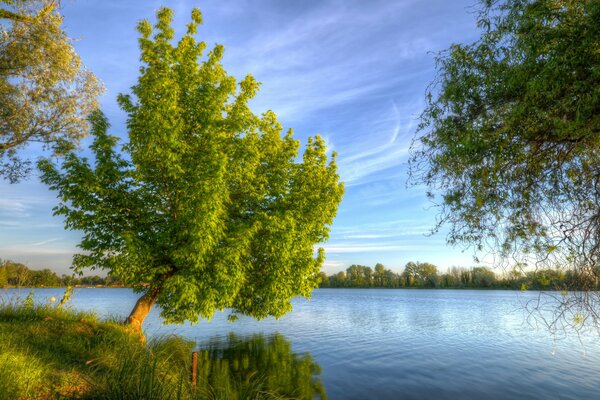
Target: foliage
point(45, 92)
point(420, 274)
point(359, 275)
point(483, 277)
point(16, 274)
point(455, 277)
point(364, 276)
point(13, 274)
point(210, 209)
point(510, 137)
point(426, 275)
point(3, 276)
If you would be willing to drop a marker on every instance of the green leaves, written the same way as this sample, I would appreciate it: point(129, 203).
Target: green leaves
point(209, 207)
point(45, 92)
point(511, 118)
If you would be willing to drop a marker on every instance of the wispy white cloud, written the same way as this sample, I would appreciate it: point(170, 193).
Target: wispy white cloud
point(364, 159)
point(21, 225)
point(45, 242)
point(372, 248)
point(333, 264)
point(29, 250)
point(393, 229)
point(369, 236)
point(22, 206)
point(14, 207)
point(326, 55)
point(335, 249)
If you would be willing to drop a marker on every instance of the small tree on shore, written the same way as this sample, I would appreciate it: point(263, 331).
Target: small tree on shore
point(210, 209)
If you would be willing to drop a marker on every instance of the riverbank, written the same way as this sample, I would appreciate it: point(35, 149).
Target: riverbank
point(65, 287)
point(47, 352)
point(50, 353)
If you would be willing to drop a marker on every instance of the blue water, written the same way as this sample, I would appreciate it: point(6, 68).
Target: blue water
point(406, 344)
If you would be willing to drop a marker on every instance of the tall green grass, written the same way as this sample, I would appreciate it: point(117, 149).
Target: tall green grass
point(53, 353)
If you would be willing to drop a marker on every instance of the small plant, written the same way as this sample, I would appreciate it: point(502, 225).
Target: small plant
point(66, 297)
point(28, 303)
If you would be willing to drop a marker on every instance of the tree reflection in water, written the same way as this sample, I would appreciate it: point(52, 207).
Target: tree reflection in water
point(257, 367)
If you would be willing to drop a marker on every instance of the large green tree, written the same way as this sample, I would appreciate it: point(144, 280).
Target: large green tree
point(210, 208)
point(510, 138)
point(45, 92)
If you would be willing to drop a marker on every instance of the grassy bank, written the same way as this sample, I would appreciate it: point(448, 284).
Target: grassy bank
point(49, 353)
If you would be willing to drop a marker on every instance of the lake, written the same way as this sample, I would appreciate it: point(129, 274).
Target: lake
point(403, 344)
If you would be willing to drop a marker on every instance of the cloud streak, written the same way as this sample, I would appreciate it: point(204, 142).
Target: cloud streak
point(14, 208)
point(45, 242)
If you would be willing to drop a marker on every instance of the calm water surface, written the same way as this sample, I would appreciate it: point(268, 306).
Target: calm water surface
point(405, 344)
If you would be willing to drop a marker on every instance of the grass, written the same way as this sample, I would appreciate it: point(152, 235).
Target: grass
point(53, 353)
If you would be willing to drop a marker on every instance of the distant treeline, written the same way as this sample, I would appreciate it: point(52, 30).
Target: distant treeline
point(415, 275)
point(426, 275)
point(14, 274)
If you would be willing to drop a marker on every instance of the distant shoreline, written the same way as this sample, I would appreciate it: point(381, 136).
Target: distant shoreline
point(367, 288)
point(64, 287)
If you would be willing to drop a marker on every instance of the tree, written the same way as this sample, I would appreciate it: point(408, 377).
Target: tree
point(420, 274)
point(552, 279)
point(210, 209)
point(359, 275)
point(43, 278)
point(391, 279)
point(339, 280)
point(3, 276)
point(45, 92)
point(455, 276)
point(510, 137)
point(483, 277)
point(17, 274)
point(323, 279)
point(379, 274)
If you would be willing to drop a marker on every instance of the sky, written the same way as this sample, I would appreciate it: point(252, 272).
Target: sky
point(354, 71)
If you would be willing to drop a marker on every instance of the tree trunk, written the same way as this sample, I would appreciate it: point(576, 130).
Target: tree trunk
point(141, 309)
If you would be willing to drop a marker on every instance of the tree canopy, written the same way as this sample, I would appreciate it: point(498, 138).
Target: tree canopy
point(45, 92)
point(210, 208)
point(421, 274)
point(510, 137)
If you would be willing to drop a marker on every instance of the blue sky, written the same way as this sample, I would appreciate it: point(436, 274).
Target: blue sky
point(354, 71)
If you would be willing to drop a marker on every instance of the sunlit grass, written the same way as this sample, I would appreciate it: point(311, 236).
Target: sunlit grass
point(46, 351)
point(20, 375)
